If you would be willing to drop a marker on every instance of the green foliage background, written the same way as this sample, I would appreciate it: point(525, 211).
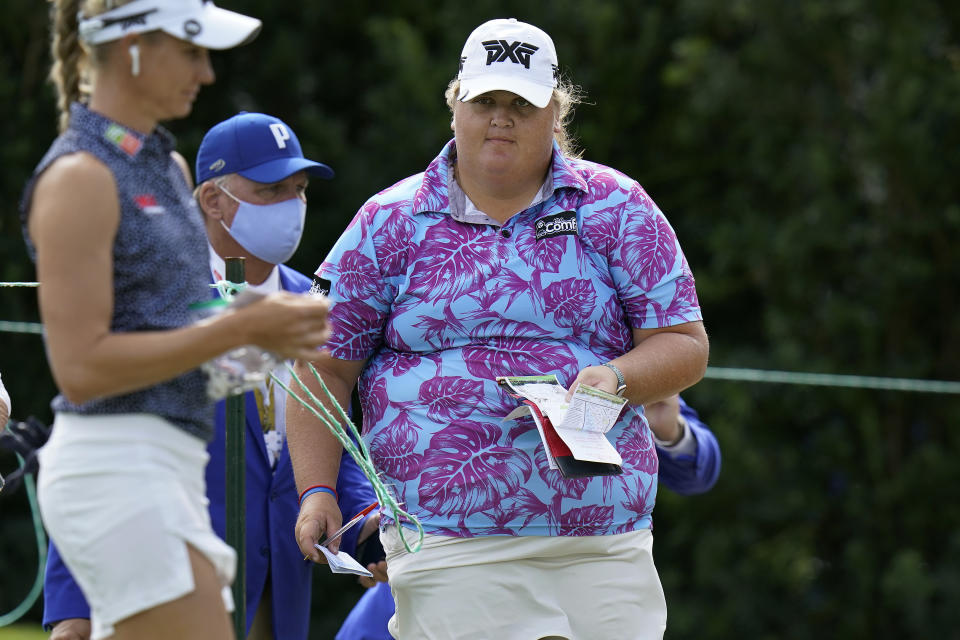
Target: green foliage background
point(806, 153)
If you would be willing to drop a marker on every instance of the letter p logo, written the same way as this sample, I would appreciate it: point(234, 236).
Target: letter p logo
point(280, 134)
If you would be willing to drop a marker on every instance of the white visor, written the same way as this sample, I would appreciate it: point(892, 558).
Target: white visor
point(197, 21)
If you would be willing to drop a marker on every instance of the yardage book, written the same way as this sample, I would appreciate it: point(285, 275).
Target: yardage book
point(573, 433)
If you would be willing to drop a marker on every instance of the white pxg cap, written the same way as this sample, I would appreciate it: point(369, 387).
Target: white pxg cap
point(508, 55)
point(196, 21)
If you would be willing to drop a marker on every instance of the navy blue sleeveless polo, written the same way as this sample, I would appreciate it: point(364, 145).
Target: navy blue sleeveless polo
point(160, 258)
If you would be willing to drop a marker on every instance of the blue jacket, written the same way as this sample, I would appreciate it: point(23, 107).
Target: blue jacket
point(272, 508)
point(687, 474)
point(684, 474)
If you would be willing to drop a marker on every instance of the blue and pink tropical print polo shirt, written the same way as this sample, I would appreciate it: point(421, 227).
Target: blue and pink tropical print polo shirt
point(439, 306)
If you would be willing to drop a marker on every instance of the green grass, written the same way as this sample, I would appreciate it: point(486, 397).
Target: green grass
point(23, 632)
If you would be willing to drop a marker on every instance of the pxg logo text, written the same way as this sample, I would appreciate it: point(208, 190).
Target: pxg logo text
point(500, 50)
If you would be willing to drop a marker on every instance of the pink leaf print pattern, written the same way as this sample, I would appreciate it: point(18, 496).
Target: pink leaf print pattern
point(394, 340)
point(515, 356)
point(649, 251)
point(545, 254)
point(499, 405)
point(432, 194)
point(392, 449)
point(465, 471)
point(392, 242)
point(434, 328)
point(636, 309)
point(635, 446)
point(569, 199)
point(459, 532)
point(602, 230)
point(612, 337)
point(358, 276)
point(522, 427)
point(601, 186)
point(684, 298)
point(501, 517)
point(404, 304)
point(399, 361)
point(498, 327)
point(460, 259)
point(586, 521)
point(511, 285)
point(375, 402)
point(570, 301)
point(356, 328)
point(640, 497)
point(485, 299)
point(528, 504)
point(568, 488)
point(449, 397)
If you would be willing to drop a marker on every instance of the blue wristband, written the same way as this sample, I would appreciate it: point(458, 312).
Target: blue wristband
point(317, 489)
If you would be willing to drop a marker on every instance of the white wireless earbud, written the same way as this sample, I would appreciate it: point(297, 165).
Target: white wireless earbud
point(134, 59)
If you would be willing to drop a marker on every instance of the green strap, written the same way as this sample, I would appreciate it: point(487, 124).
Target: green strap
point(35, 591)
point(361, 455)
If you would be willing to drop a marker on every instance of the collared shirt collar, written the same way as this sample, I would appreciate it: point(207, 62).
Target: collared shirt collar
point(128, 143)
point(462, 208)
point(440, 193)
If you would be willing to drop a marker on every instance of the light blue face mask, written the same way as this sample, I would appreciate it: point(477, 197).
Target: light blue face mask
point(271, 232)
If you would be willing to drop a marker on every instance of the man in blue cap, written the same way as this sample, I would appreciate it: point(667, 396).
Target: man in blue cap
point(252, 178)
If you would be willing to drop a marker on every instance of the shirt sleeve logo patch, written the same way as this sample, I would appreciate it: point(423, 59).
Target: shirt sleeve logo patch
point(558, 224)
point(320, 286)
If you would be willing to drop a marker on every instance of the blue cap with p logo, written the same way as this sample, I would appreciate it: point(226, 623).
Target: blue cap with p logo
point(258, 147)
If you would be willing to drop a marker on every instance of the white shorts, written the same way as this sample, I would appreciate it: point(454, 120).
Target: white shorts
point(122, 496)
point(526, 587)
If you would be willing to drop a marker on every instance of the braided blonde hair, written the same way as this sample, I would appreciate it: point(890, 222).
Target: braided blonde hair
point(71, 59)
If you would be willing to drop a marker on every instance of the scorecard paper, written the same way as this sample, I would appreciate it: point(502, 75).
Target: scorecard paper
point(581, 424)
point(343, 562)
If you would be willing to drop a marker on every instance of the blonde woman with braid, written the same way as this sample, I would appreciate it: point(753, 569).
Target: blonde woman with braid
point(121, 254)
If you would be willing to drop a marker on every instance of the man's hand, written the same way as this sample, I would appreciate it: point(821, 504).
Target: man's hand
point(379, 569)
point(319, 514)
point(71, 629)
point(664, 418)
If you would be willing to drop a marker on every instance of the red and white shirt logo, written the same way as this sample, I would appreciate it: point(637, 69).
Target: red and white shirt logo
point(148, 204)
